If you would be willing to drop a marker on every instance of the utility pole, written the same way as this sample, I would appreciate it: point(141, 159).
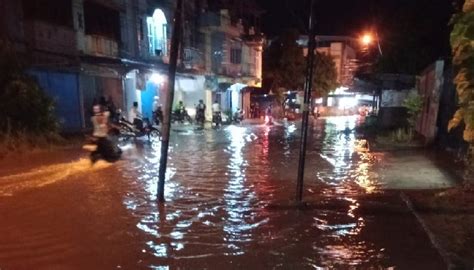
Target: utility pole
point(175, 42)
point(306, 105)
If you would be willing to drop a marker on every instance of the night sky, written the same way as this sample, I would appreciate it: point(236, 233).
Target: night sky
point(346, 17)
point(421, 25)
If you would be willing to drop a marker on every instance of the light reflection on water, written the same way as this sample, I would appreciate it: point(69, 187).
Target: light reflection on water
point(220, 183)
point(227, 193)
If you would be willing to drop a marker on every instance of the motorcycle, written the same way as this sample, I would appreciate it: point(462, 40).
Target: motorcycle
point(217, 119)
point(180, 115)
point(104, 148)
point(141, 128)
point(200, 118)
point(238, 117)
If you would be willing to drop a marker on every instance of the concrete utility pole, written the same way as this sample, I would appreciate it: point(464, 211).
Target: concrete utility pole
point(175, 42)
point(306, 106)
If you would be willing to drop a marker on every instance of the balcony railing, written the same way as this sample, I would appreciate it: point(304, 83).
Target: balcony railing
point(101, 46)
point(193, 58)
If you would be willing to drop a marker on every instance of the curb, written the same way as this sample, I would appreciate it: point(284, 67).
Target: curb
point(434, 241)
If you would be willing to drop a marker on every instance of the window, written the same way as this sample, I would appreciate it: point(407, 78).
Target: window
point(236, 56)
point(100, 20)
point(157, 33)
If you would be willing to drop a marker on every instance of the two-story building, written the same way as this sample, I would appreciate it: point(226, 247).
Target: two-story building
point(81, 50)
point(233, 59)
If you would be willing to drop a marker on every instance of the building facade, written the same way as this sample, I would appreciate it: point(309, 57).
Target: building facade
point(81, 50)
point(343, 51)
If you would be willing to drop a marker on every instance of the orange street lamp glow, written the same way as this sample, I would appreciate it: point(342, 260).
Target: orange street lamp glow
point(366, 39)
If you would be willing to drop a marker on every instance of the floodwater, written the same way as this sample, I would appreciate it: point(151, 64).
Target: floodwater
point(229, 205)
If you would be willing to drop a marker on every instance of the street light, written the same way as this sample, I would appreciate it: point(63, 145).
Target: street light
point(366, 39)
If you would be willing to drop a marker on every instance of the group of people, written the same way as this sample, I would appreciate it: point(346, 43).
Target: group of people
point(105, 116)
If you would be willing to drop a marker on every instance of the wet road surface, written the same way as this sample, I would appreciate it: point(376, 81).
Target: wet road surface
point(229, 206)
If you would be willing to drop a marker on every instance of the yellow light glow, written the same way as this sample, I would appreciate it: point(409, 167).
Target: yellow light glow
point(366, 39)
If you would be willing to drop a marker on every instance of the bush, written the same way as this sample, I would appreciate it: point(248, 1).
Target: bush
point(26, 112)
point(24, 107)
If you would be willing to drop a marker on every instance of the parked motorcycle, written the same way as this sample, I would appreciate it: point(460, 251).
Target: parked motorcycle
point(141, 128)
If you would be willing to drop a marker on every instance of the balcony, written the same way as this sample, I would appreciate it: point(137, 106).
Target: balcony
point(101, 46)
point(193, 59)
point(249, 70)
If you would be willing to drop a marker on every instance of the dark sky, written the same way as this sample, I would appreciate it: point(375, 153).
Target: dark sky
point(347, 17)
point(404, 26)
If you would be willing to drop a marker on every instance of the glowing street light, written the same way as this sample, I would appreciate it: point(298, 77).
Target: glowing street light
point(366, 39)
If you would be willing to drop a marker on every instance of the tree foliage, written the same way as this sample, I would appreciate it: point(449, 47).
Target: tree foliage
point(414, 104)
point(285, 66)
point(462, 43)
point(24, 107)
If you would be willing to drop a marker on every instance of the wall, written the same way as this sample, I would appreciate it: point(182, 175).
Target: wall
point(190, 90)
point(429, 87)
point(51, 38)
point(392, 114)
point(63, 88)
point(447, 107)
point(94, 87)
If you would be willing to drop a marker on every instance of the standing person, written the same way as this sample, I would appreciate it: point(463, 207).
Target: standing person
point(269, 115)
point(105, 148)
point(257, 110)
point(156, 111)
point(200, 112)
point(156, 103)
point(252, 110)
point(112, 109)
point(103, 101)
point(134, 116)
point(216, 113)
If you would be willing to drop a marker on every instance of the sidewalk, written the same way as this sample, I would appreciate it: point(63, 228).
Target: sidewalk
point(412, 170)
point(432, 192)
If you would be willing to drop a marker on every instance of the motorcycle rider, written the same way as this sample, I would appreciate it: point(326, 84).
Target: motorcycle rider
point(200, 110)
point(216, 113)
point(157, 112)
point(238, 116)
point(158, 115)
point(180, 111)
point(106, 149)
point(135, 117)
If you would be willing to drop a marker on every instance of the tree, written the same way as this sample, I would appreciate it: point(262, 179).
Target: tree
point(24, 107)
point(325, 75)
point(414, 104)
point(462, 43)
point(285, 67)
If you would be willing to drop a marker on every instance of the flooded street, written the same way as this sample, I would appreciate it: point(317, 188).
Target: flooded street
point(229, 194)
